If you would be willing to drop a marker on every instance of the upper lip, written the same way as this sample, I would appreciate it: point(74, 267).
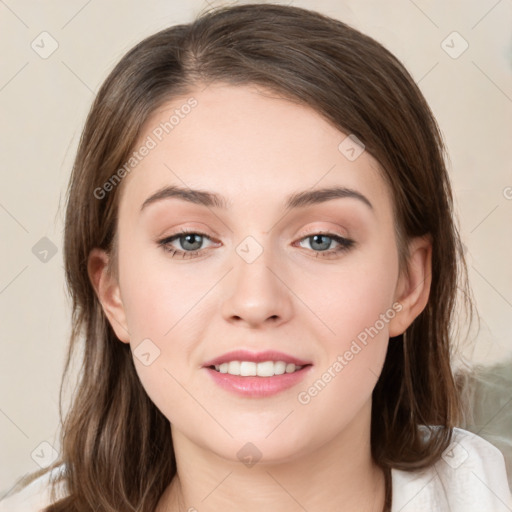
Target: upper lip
point(257, 357)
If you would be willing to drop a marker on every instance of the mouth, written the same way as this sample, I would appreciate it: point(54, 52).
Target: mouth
point(257, 375)
point(262, 369)
point(257, 386)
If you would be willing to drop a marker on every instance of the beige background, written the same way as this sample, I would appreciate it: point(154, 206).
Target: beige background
point(44, 102)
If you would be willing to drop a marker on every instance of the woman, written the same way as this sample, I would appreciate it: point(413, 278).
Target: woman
point(297, 354)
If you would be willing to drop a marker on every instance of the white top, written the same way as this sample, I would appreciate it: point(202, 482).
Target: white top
point(470, 477)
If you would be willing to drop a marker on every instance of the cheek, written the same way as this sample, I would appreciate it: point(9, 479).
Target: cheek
point(354, 350)
point(353, 298)
point(356, 306)
point(163, 313)
point(158, 294)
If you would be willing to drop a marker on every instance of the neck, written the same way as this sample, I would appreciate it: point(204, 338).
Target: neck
point(339, 475)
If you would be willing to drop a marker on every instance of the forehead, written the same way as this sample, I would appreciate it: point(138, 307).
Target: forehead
point(250, 145)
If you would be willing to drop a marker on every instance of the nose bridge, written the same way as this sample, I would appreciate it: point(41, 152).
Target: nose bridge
point(253, 261)
point(256, 292)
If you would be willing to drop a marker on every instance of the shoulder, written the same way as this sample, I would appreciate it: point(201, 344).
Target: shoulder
point(35, 496)
point(469, 477)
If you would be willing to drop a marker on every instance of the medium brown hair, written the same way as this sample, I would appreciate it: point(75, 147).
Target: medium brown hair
point(113, 463)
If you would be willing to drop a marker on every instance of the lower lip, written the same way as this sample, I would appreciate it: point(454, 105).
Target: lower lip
point(256, 387)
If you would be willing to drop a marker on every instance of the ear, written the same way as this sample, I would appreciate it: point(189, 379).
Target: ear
point(108, 292)
point(413, 287)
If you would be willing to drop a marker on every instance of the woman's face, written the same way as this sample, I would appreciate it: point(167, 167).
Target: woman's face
point(258, 275)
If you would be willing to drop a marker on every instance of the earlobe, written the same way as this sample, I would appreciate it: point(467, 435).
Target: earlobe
point(108, 292)
point(413, 288)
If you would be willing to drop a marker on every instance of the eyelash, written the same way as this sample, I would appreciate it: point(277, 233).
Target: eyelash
point(345, 244)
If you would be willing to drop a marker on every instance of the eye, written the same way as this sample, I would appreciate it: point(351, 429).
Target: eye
point(322, 242)
point(190, 241)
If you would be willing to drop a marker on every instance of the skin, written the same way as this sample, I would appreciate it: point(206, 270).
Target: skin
point(256, 148)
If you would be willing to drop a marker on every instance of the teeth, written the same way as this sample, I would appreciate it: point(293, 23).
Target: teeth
point(251, 369)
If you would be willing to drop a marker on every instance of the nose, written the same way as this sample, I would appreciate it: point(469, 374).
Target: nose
point(257, 291)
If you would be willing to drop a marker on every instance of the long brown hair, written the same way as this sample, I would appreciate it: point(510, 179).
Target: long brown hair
point(113, 463)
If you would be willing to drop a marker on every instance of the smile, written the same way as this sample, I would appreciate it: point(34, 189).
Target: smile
point(252, 369)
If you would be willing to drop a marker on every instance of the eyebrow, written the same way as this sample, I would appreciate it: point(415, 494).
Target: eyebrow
point(295, 200)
